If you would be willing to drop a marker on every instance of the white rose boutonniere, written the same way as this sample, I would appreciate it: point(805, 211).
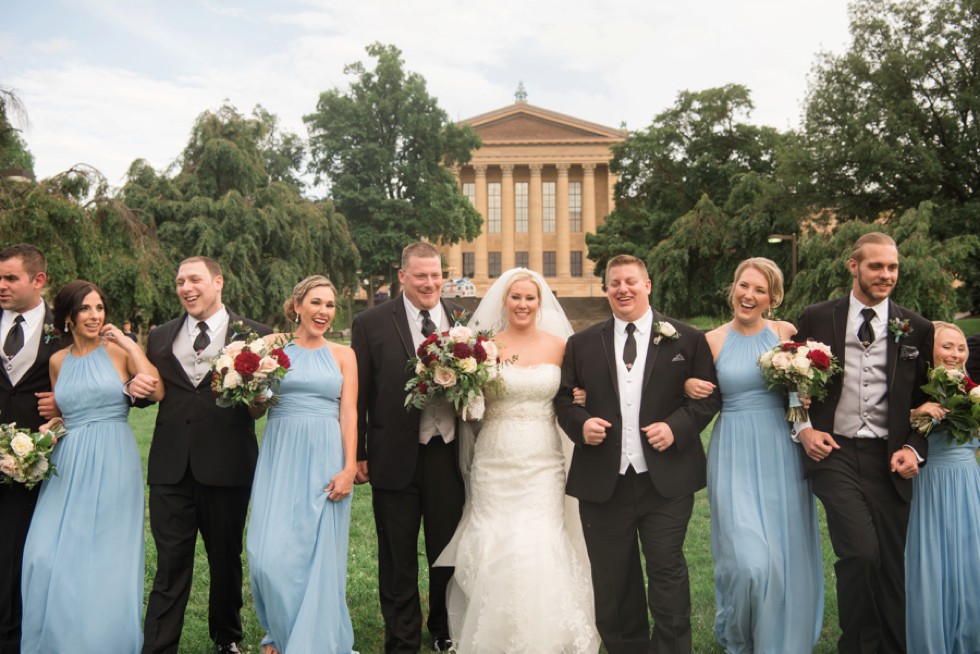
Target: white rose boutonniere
point(664, 330)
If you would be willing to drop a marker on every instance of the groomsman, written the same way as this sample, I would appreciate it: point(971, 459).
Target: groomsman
point(638, 460)
point(200, 467)
point(861, 451)
point(409, 456)
point(25, 398)
point(973, 361)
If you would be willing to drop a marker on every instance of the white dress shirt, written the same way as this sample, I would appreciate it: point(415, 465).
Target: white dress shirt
point(631, 390)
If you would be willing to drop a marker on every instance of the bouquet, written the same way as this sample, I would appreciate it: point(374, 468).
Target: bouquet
point(25, 456)
point(458, 365)
point(803, 369)
point(247, 369)
point(960, 396)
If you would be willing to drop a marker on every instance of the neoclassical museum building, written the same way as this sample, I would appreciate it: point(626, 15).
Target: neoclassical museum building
point(541, 181)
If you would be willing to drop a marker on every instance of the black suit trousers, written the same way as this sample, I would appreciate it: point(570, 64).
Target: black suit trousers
point(177, 512)
point(867, 520)
point(433, 499)
point(16, 509)
point(611, 532)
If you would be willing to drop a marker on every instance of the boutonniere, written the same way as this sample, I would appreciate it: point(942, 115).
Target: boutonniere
point(460, 317)
point(50, 334)
point(899, 328)
point(662, 330)
point(238, 330)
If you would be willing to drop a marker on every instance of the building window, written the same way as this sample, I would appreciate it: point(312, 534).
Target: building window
point(548, 207)
point(493, 208)
point(520, 259)
point(520, 207)
point(575, 206)
point(469, 264)
point(549, 263)
point(493, 264)
point(469, 190)
point(576, 263)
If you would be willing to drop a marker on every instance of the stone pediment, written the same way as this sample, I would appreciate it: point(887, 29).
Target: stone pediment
point(525, 123)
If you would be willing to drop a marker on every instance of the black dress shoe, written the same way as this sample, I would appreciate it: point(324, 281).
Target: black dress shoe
point(443, 645)
point(230, 648)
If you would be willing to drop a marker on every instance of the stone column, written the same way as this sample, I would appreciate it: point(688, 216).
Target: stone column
point(455, 258)
point(480, 242)
point(535, 256)
point(562, 226)
point(612, 191)
point(588, 214)
point(507, 217)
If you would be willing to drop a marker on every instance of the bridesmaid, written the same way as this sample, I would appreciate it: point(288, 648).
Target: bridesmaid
point(942, 553)
point(301, 496)
point(83, 561)
point(764, 536)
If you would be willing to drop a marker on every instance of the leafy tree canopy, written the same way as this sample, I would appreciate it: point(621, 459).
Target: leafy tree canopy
point(235, 198)
point(895, 121)
point(386, 148)
point(13, 150)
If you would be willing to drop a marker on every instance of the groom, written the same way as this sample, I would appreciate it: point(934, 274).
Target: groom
point(638, 460)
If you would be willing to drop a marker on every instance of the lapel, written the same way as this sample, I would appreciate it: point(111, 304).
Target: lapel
point(652, 350)
point(399, 317)
point(894, 313)
point(232, 318)
point(840, 328)
point(169, 337)
point(608, 336)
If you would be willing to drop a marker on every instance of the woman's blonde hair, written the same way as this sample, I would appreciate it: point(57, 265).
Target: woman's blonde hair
point(769, 270)
point(300, 291)
point(942, 324)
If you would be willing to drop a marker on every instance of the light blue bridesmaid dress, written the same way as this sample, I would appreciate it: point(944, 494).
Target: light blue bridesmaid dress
point(83, 562)
point(942, 555)
point(297, 537)
point(764, 534)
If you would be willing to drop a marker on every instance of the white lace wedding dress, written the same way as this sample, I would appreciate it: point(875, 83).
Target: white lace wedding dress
point(522, 580)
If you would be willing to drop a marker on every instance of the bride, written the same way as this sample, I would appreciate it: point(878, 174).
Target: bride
point(522, 580)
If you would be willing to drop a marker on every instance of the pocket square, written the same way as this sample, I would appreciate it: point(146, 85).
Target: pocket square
point(677, 357)
point(907, 352)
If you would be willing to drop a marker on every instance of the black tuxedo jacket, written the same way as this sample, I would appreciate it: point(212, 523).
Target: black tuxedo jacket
point(218, 443)
point(387, 432)
point(973, 363)
point(17, 402)
point(590, 363)
point(908, 364)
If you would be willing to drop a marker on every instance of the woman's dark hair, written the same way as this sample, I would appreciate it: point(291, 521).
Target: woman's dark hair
point(68, 303)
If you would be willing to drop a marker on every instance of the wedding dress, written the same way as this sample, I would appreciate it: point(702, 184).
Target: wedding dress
point(522, 580)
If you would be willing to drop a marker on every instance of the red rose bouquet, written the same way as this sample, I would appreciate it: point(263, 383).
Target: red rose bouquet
point(247, 369)
point(960, 396)
point(459, 366)
point(803, 369)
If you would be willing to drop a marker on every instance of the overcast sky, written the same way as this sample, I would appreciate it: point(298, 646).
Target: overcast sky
point(105, 82)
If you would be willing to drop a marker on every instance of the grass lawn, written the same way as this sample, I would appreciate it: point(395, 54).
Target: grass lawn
point(362, 576)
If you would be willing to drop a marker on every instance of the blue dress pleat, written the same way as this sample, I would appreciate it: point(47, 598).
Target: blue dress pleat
point(942, 554)
point(297, 538)
point(764, 533)
point(83, 562)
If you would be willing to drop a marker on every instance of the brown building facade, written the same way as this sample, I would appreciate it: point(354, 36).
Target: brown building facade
point(541, 181)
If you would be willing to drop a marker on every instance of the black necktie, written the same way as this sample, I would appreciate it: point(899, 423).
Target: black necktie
point(629, 348)
point(427, 325)
point(15, 338)
point(866, 333)
point(203, 340)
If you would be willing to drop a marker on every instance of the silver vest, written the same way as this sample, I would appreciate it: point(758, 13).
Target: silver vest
point(863, 407)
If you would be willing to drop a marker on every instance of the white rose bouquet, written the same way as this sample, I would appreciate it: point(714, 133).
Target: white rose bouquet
point(25, 456)
point(954, 391)
point(803, 369)
point(459, 366)
point(248, 369)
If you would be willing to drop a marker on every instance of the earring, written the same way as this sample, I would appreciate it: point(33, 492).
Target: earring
point(296, 320)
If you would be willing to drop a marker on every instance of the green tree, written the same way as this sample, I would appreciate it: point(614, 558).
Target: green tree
point(696, 194)
point(13, 150)
point(895, 121)
point(386, 147)
point(86, 234)
point(234, 198)
point(927, 278)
